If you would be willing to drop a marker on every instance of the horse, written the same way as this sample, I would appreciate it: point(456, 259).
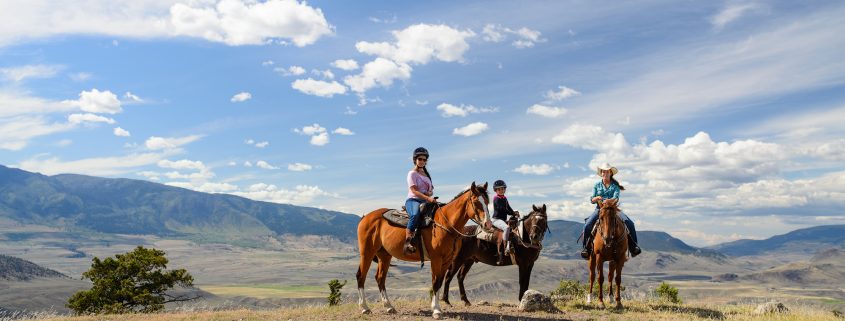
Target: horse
point(610, 244)
point(378, 239)
point(534, 227)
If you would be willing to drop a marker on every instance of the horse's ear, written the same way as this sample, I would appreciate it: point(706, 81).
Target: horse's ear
point(484, 187)
point(473, 188)
point(534, 207)
point(544, 208)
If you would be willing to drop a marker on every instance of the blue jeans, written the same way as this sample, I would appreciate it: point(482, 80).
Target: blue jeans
point(412, 206)
point(588, 226)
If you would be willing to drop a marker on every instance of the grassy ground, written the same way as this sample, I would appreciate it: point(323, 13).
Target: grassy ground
point(420, 310)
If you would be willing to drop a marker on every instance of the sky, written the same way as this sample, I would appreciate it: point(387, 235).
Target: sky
point(724, 118)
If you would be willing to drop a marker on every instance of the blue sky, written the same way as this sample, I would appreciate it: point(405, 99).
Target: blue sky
point(724, 117)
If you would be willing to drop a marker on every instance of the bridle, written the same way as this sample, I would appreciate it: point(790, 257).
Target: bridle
point(534, 228)
point(452, 230)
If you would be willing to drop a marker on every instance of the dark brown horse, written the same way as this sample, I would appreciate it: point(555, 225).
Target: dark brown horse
point(377, 238)
point(527, 246)
point(609, 244)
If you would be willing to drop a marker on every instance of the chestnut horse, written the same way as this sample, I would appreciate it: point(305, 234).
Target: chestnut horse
point(609, 244)
point(527, 247)
point(377, 238)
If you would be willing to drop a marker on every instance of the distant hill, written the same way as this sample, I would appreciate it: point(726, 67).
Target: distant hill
point(15, 269)
point(827, 267)
point(130, 206)
point(562, 243)
point(807, 240)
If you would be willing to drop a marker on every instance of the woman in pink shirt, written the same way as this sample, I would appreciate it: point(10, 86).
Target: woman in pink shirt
point(420, 191)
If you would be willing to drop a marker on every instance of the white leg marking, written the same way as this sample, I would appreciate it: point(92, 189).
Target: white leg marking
point(589, 298)
point(435, 306)
point(386, 302)
point(362, 301)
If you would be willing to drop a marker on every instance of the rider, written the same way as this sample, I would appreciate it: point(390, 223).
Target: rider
point(420, 191)
point(501, 210)
point(607, 188)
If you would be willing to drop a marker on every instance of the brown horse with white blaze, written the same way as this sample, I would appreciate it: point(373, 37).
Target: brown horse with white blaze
point(377, 238)
point(609, 244)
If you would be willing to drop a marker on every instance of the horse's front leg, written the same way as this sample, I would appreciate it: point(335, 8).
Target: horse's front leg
point(592, 265)
point(438, 274)
point(524, 277)
point(619, 285)
point(600, 271)
point(454, 268)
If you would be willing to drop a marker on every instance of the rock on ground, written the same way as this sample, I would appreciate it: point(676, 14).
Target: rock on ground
point(535, 301)
point(771, 307)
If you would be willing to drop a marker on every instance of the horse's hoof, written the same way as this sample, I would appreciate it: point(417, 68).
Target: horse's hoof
point(365, 311)
point(466, 303)
point(447, 303)
point(391, 311)
point(619, 306)
point(436, 315)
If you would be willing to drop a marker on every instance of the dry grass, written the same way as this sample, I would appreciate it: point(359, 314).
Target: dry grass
point(420, 310)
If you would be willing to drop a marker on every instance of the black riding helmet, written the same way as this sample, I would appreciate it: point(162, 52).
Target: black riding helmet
point(420, 151)
point(498, 184)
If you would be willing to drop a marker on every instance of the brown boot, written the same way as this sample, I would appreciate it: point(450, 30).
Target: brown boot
point(409, 248)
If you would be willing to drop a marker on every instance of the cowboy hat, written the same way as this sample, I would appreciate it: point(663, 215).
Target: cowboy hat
point(606, 166)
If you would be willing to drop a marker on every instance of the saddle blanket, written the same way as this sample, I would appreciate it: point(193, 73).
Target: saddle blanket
point(400, 218)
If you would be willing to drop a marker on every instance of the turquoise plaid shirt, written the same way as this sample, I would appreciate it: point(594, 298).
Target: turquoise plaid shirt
point(608, 192)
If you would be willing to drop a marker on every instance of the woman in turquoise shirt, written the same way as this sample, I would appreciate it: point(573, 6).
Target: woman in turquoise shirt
point(608, 188)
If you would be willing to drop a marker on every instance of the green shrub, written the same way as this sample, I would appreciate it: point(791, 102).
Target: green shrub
point(334, 294)
point(569, 290)
point(667, 292)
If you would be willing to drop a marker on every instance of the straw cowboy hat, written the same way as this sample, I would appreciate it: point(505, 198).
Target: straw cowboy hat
point(606, 166)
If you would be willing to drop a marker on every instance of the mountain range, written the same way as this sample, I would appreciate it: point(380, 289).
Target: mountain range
point(126, 206)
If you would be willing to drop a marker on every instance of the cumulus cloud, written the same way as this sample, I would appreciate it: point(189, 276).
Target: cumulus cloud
point(318, 87)
point(343, 131)
point(95, 101)
point(299, 167)
point(301, 194)
point(265, 165)
point(546, 111)
point(525, 37)
point(158, 143)
point(379, 72)
point(88, 118)
point(291, 71)
point(471, 129)
point(311, 130)
point(420, 43)
point(449, 110)
point(240, 97)
point(562, 93)
point(205, 187)
point(262, 144)
point(181, 164)
point(320, 139)
point(345, 64)
point(540, 169)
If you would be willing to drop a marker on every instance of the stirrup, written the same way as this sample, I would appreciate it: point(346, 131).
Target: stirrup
point(409, 247)
point(585, 253)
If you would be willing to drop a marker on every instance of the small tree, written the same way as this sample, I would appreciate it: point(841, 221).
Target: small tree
point(334, 294)
point(667, 292)
point(132, 282)
point(569, 290)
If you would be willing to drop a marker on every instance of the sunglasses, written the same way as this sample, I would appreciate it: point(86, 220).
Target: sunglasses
point(422, 159)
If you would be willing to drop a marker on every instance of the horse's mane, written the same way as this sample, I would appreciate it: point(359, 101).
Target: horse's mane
point(462, 193)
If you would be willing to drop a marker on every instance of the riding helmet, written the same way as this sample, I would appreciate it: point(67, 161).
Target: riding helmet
point(498, 184)
point(420, 151)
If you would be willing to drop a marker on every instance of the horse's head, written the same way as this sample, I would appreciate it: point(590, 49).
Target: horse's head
point(536, 223)
point(478, 202)
point(608, 208)
point(610, 221)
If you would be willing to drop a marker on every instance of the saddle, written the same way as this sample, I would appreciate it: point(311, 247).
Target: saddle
point(400, 218)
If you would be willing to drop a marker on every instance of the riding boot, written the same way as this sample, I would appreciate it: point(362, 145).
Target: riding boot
point(409, 247)
point(633, 248)
point(586, 250)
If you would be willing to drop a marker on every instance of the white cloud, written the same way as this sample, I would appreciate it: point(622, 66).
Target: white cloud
point(311, 130)
point(88, 118)
point(540, 169)
point(546, 111)
point(262, 144)
point(345, 64)
point(471, 129)
point(241, 96)
point(730, 13)
point(205, 187)
point(526, 38)
point(247, 164)
point(16, 132)
point(233, 22)
point(591, 138)
point(420, 43)
point(156, 143)
point(64, 142)
point(449, 110)
point(267, 63)
point(20, 73)
point(302, 194)
point(343, 131)
point(299, 167)
point(291, 71)
point(320, 139)
point(95, 101)
point(379, 72)
point(318, 87)
point(98, 166)
point(562, 93)
point(132, 98)
point(181, 164)
point(350, 112)
point(80, 76)
point(264, 165)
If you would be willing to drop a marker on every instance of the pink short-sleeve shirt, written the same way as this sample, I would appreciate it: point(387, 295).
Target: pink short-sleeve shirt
point(422, 182)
